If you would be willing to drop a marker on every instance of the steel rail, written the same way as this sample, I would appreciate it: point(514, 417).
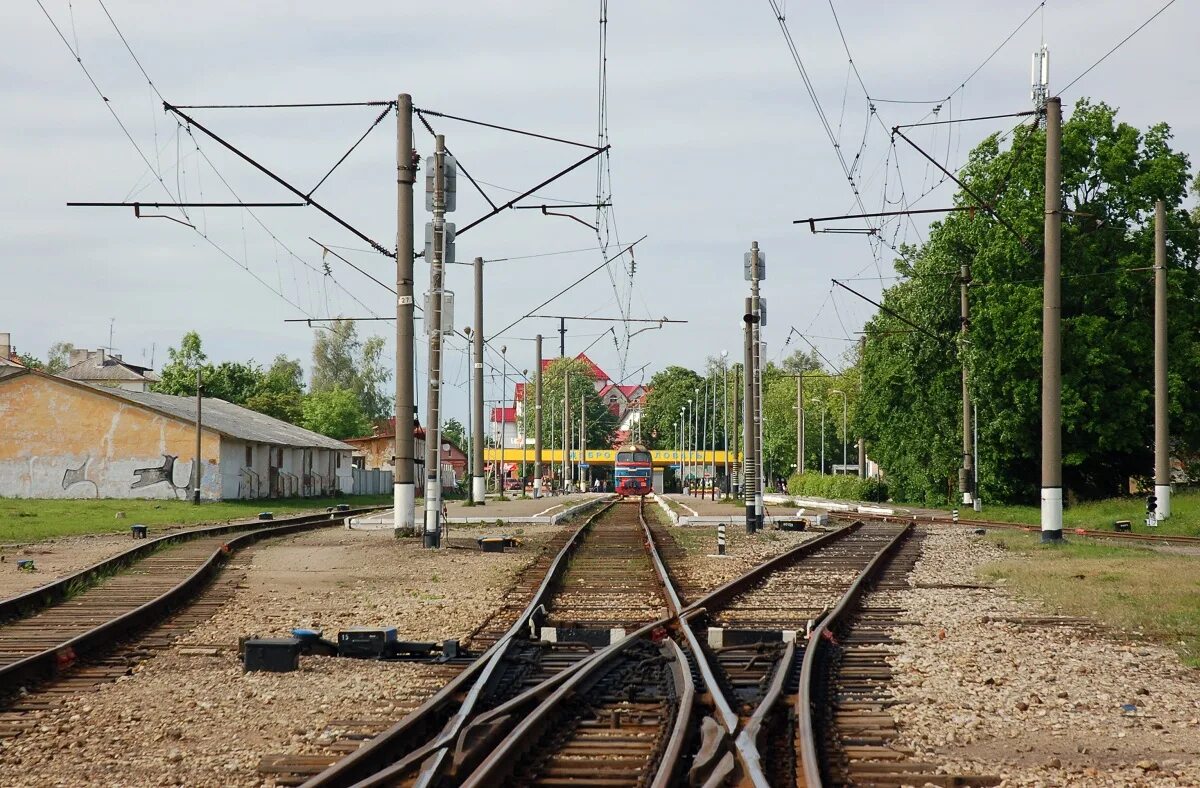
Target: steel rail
point(438, 721)
point(1091, 533)
point(493, 770)
point(29, 602)
point(50, 662)
point(809, 757)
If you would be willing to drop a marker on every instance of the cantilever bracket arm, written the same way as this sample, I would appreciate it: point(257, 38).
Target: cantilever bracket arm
point(308, 200)
point(569, 216)
point(812, 222)
point(137, 213)
point(513, 202)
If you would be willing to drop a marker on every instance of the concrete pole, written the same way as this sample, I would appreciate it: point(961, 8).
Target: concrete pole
point(697, 458)
point(524, 423)
point(582, 436)
point(196, 468)
point(725, 413)
point(537, 422)
point(433, 428)
point(712, 433)
point(478, 482)
point(755, 379)
point(1052, 497)
point(404, 491)
point(500, 471)
point(862, 443)
point(1162, 433)
point(739, 462)
point(748, 484)
point(966, 474)
point(800, 423)
point(824, 410)
point(566, 428)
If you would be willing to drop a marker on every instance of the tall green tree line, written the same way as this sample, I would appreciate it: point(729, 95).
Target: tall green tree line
point(911, 403)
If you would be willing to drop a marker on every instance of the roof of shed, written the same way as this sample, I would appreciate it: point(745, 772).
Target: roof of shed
point(217, 415)
point(232, 420)
point(108, 368)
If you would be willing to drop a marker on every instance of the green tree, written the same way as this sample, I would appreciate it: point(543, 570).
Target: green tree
point(601, 423)
point(454, 431)
point(31, 361)
point(59, 357)
point(335, 412)
point(341, 360)
point(280, 391)
point(670, 390)
point(178, 375)
point(911, 410)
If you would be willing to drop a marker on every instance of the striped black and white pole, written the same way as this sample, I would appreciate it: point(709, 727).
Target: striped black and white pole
point(954, 515)
point(720, 538)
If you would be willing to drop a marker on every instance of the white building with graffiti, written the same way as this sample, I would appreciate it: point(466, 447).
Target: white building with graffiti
point(62, 438)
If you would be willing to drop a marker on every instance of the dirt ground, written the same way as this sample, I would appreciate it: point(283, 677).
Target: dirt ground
point(192, 716)
point(54, 558)
point(993, 684)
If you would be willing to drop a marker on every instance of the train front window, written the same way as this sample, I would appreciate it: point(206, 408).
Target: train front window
point(633, 456)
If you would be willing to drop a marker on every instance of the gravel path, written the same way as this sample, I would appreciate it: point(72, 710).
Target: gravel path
point(701, 570)
point(191, 716)
point(987, 691)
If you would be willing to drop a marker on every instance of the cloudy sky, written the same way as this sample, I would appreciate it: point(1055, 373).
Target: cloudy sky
point(715, 143)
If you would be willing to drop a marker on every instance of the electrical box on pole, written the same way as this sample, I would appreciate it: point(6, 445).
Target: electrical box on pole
point(449, 178)
point(748, 266)
point(447, 312)
point(447, 242)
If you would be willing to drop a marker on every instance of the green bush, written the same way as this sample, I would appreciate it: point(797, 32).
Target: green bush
point(847, 487)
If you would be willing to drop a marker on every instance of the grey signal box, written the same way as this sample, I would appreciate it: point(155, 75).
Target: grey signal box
point(762, 311)
point(447, 242)
point(447, 312)
point(762, 266)
point(449, 178)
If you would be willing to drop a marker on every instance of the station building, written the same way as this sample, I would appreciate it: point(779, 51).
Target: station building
point(62, 438)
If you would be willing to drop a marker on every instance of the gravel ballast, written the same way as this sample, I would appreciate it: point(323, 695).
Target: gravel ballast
point(993, 684)
point(190, 716)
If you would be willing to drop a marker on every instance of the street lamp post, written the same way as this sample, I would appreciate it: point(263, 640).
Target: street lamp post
point(845, 408)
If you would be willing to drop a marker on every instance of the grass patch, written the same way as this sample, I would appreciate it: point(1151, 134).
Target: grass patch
point(1138, 590)
point(32, 519)
point(1100, 515)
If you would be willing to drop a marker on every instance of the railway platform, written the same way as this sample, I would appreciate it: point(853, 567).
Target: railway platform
point(547, 510)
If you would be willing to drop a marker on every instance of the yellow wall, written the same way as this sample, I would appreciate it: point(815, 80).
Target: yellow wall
point(49, 428)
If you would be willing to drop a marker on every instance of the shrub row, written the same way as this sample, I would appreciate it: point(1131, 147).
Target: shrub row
point(846, 487)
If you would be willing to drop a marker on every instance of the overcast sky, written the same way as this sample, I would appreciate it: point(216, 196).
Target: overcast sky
point(715, 143)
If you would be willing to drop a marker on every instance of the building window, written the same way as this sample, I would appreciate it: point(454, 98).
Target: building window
point(249, 456)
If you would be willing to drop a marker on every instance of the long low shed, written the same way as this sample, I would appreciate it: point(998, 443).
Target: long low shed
point(62, 438)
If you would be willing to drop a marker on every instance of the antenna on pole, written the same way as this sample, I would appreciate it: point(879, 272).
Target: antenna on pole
point(1039, 77)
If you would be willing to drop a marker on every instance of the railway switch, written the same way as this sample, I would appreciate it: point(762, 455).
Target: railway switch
point(367, 642)
point(274, 655)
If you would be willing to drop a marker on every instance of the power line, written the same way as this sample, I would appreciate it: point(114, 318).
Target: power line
point(1120, 43)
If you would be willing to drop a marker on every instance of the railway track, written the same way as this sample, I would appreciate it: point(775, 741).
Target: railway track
point(605, 582)
point(718, 692)
point(1125, 536)
point(62, 632)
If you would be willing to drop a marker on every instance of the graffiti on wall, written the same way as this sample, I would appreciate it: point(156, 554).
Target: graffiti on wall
point(73, 476)
point(162, 474)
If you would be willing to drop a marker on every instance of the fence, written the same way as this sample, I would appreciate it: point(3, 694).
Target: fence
point(373, 481)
